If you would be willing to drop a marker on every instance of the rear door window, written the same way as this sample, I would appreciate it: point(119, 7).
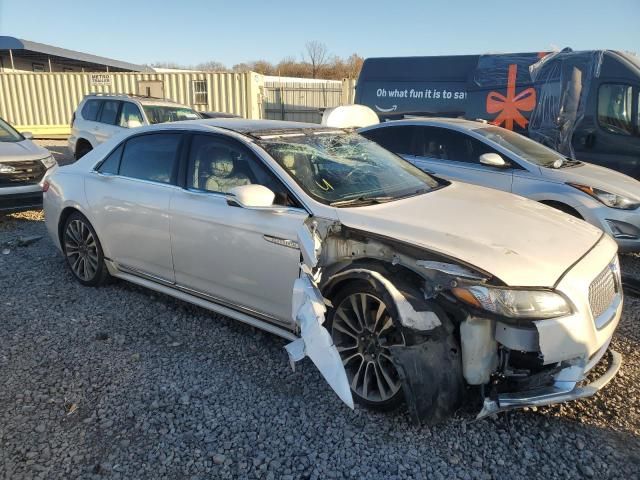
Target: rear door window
point(398, 139)
point(111, 164)
point(444, 144)
point(109, 112)
point(91, 109)
point(151, 157)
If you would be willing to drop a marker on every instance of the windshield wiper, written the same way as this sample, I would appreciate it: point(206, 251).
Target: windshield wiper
point(361, 201)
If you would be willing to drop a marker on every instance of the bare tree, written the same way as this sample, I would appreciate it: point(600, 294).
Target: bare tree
point(354, 65)
point(318, 54)
point(212, 66)
point(172, 65)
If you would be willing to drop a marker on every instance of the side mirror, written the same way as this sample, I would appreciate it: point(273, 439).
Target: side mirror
point(493, 160)
point(252, 196)
point(27, 135)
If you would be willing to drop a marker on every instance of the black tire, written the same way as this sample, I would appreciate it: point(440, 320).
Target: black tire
point(368, 346)
point(83, 251)
point(82, 149)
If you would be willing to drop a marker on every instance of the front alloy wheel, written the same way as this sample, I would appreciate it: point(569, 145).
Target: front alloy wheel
point(363, 331)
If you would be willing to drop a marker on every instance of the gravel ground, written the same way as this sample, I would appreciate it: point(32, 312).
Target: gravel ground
point(119, 382)
point(59, 150)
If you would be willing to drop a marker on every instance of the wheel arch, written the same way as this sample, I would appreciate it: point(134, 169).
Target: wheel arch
point(82, 141)
point(64, 215)
point(563, 207)
point(339, 275)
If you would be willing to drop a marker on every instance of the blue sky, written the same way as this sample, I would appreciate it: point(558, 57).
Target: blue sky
point(192, 31)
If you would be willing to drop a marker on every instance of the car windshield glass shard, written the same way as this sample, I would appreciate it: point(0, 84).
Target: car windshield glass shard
point(524, 147)
point(165, 113)
point(345, 167)
point(8, 133)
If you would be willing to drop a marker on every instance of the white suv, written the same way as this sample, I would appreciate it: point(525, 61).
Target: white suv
point(99, 117)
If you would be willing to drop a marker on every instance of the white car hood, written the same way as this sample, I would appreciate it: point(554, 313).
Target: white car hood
point(596, 176)
point(520, 241)
point(24, 150)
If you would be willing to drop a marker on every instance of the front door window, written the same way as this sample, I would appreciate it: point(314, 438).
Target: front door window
point(615, 109)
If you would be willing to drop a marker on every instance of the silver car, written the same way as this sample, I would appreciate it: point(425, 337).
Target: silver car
point(23, 165)
point(395, 284)
point(494, 157)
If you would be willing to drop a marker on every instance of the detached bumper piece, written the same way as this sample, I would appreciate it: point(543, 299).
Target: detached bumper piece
point(20, 201)
point(557, 393)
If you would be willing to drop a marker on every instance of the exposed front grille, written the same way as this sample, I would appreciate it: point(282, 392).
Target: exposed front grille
point(16, 174)
point(602, 291)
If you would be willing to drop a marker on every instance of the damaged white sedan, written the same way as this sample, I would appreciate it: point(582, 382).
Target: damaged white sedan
point(397, 285)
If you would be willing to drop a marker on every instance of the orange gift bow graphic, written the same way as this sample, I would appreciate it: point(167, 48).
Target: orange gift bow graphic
point(509, 107)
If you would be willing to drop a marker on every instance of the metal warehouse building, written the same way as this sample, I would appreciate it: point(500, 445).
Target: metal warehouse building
point(18, 55)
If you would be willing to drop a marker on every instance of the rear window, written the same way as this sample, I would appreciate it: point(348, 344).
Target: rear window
point(90, 110)
point(151, 157)
point(164, 113)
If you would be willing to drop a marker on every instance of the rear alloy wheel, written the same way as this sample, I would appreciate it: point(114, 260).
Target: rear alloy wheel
point(363, 331)
point(83, 251)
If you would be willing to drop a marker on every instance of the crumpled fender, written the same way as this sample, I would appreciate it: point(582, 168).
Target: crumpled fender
point(308, 311)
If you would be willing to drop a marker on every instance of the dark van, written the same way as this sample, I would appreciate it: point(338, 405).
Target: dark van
point(584, 104)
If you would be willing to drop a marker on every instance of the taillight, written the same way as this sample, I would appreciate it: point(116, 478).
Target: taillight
point(45, 185)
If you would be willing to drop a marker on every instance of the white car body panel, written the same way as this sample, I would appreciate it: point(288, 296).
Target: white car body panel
point(134, 221)
point(431, 220)
point(209, 235)
point(245, 263)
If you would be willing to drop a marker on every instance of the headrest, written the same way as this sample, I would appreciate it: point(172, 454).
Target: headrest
point(221, 163)
point(289, 161)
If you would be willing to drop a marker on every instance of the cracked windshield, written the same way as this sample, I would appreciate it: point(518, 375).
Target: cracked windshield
point(345, 169)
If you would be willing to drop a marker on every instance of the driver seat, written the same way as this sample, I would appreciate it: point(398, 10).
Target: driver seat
point(223, 176)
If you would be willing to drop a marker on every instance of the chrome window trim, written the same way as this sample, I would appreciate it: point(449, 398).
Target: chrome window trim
point(225, 196)
point(139, 180)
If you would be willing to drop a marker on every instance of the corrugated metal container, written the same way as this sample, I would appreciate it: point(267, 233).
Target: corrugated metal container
point(301, 101)
point(44, 102)
point(348, 91)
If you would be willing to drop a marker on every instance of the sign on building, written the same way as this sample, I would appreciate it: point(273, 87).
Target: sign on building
point(100, 79)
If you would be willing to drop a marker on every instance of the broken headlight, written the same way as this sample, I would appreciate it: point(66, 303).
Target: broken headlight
point(517, 304)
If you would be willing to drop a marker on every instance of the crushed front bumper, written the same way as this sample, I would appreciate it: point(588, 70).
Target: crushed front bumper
point(560, 391)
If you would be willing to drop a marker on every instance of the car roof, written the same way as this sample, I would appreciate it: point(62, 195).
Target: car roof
point(164, 102)
point(453, 123)
point(242, 125)
point(237, 126)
